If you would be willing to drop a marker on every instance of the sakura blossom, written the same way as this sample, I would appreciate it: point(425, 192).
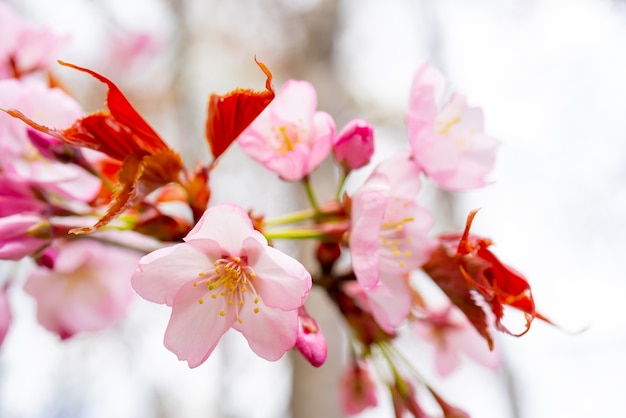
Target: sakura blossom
point(447, 136)
point(23, 234)
point(452, 338)
point(85, 289)
point(290, 137)
point(389, 233)
point(25, 46)
point(224, 275)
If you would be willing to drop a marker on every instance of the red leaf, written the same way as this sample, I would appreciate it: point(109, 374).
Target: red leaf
point(230, 114)
point(121, 133)
point(462, 263)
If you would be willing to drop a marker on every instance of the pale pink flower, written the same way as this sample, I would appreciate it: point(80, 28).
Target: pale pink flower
point(290, 137)
point(454, 337)
point(354, 145)
point(20, 160)
point(447, 138)
point(25, 46)
point(357, 390)
point(311, 342)
point(225, 275)
point(17, 197)
point(87, 288)
point(5, 313)
point(389, 231)
point(22, 234)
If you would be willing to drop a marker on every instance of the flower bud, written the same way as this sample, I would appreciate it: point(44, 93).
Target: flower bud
point(354, 145)
point(311, 342)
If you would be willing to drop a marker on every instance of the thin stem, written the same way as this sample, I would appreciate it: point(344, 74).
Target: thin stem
point(294, 234)
point(293, 217)
point(342, 183)
point(310, 194)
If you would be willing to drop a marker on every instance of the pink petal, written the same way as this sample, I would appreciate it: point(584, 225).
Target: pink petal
point(270, 332)
point(281, 282)
point(226, 224)
point(195, 329)
point(368, 208)
point(390, 302)
point(162, 273)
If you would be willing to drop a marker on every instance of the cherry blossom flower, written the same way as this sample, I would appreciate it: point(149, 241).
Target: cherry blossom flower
point(24, 46)
point(21, 160)
point(389, 231)
point(447, 138)
point(311, 342)
point(87, 288)
point(290, 137)
point(225, 275)
point(357, 390)
point(354, 145)
point(453, 336)
point(22, 234)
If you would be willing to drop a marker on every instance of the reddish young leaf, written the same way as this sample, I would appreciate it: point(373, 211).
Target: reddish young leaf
point(463, 263)
point(230, 114)
point(121, 133)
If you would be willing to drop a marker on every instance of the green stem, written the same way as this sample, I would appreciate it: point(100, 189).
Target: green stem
point(293, 217)
point(294, 234)
point(342, 183)
point(310, 194)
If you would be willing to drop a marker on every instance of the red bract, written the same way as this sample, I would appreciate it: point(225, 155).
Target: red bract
point(121, 133)
point(463, 263)
point(230, 114)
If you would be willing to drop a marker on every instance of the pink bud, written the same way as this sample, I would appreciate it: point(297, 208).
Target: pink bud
point(354, 145)
point(311, 342)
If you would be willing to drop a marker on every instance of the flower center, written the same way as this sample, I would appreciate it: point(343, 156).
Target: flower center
point(230, 278)
point(286, 136)
point(394, 239)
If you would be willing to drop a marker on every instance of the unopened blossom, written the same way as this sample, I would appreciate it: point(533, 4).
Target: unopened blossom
point(290, 137)
point(20, 160)
point(447, 138)
point(357, 390)
point(311, 342)
point(453, 337)
point(225, 275)
point(354, 145)
point(87, 288)
point(22, 234)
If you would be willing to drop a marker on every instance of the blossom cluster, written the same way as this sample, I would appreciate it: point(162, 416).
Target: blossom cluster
point(84, 197)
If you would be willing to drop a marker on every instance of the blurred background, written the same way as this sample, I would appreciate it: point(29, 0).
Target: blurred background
point(549, 76)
